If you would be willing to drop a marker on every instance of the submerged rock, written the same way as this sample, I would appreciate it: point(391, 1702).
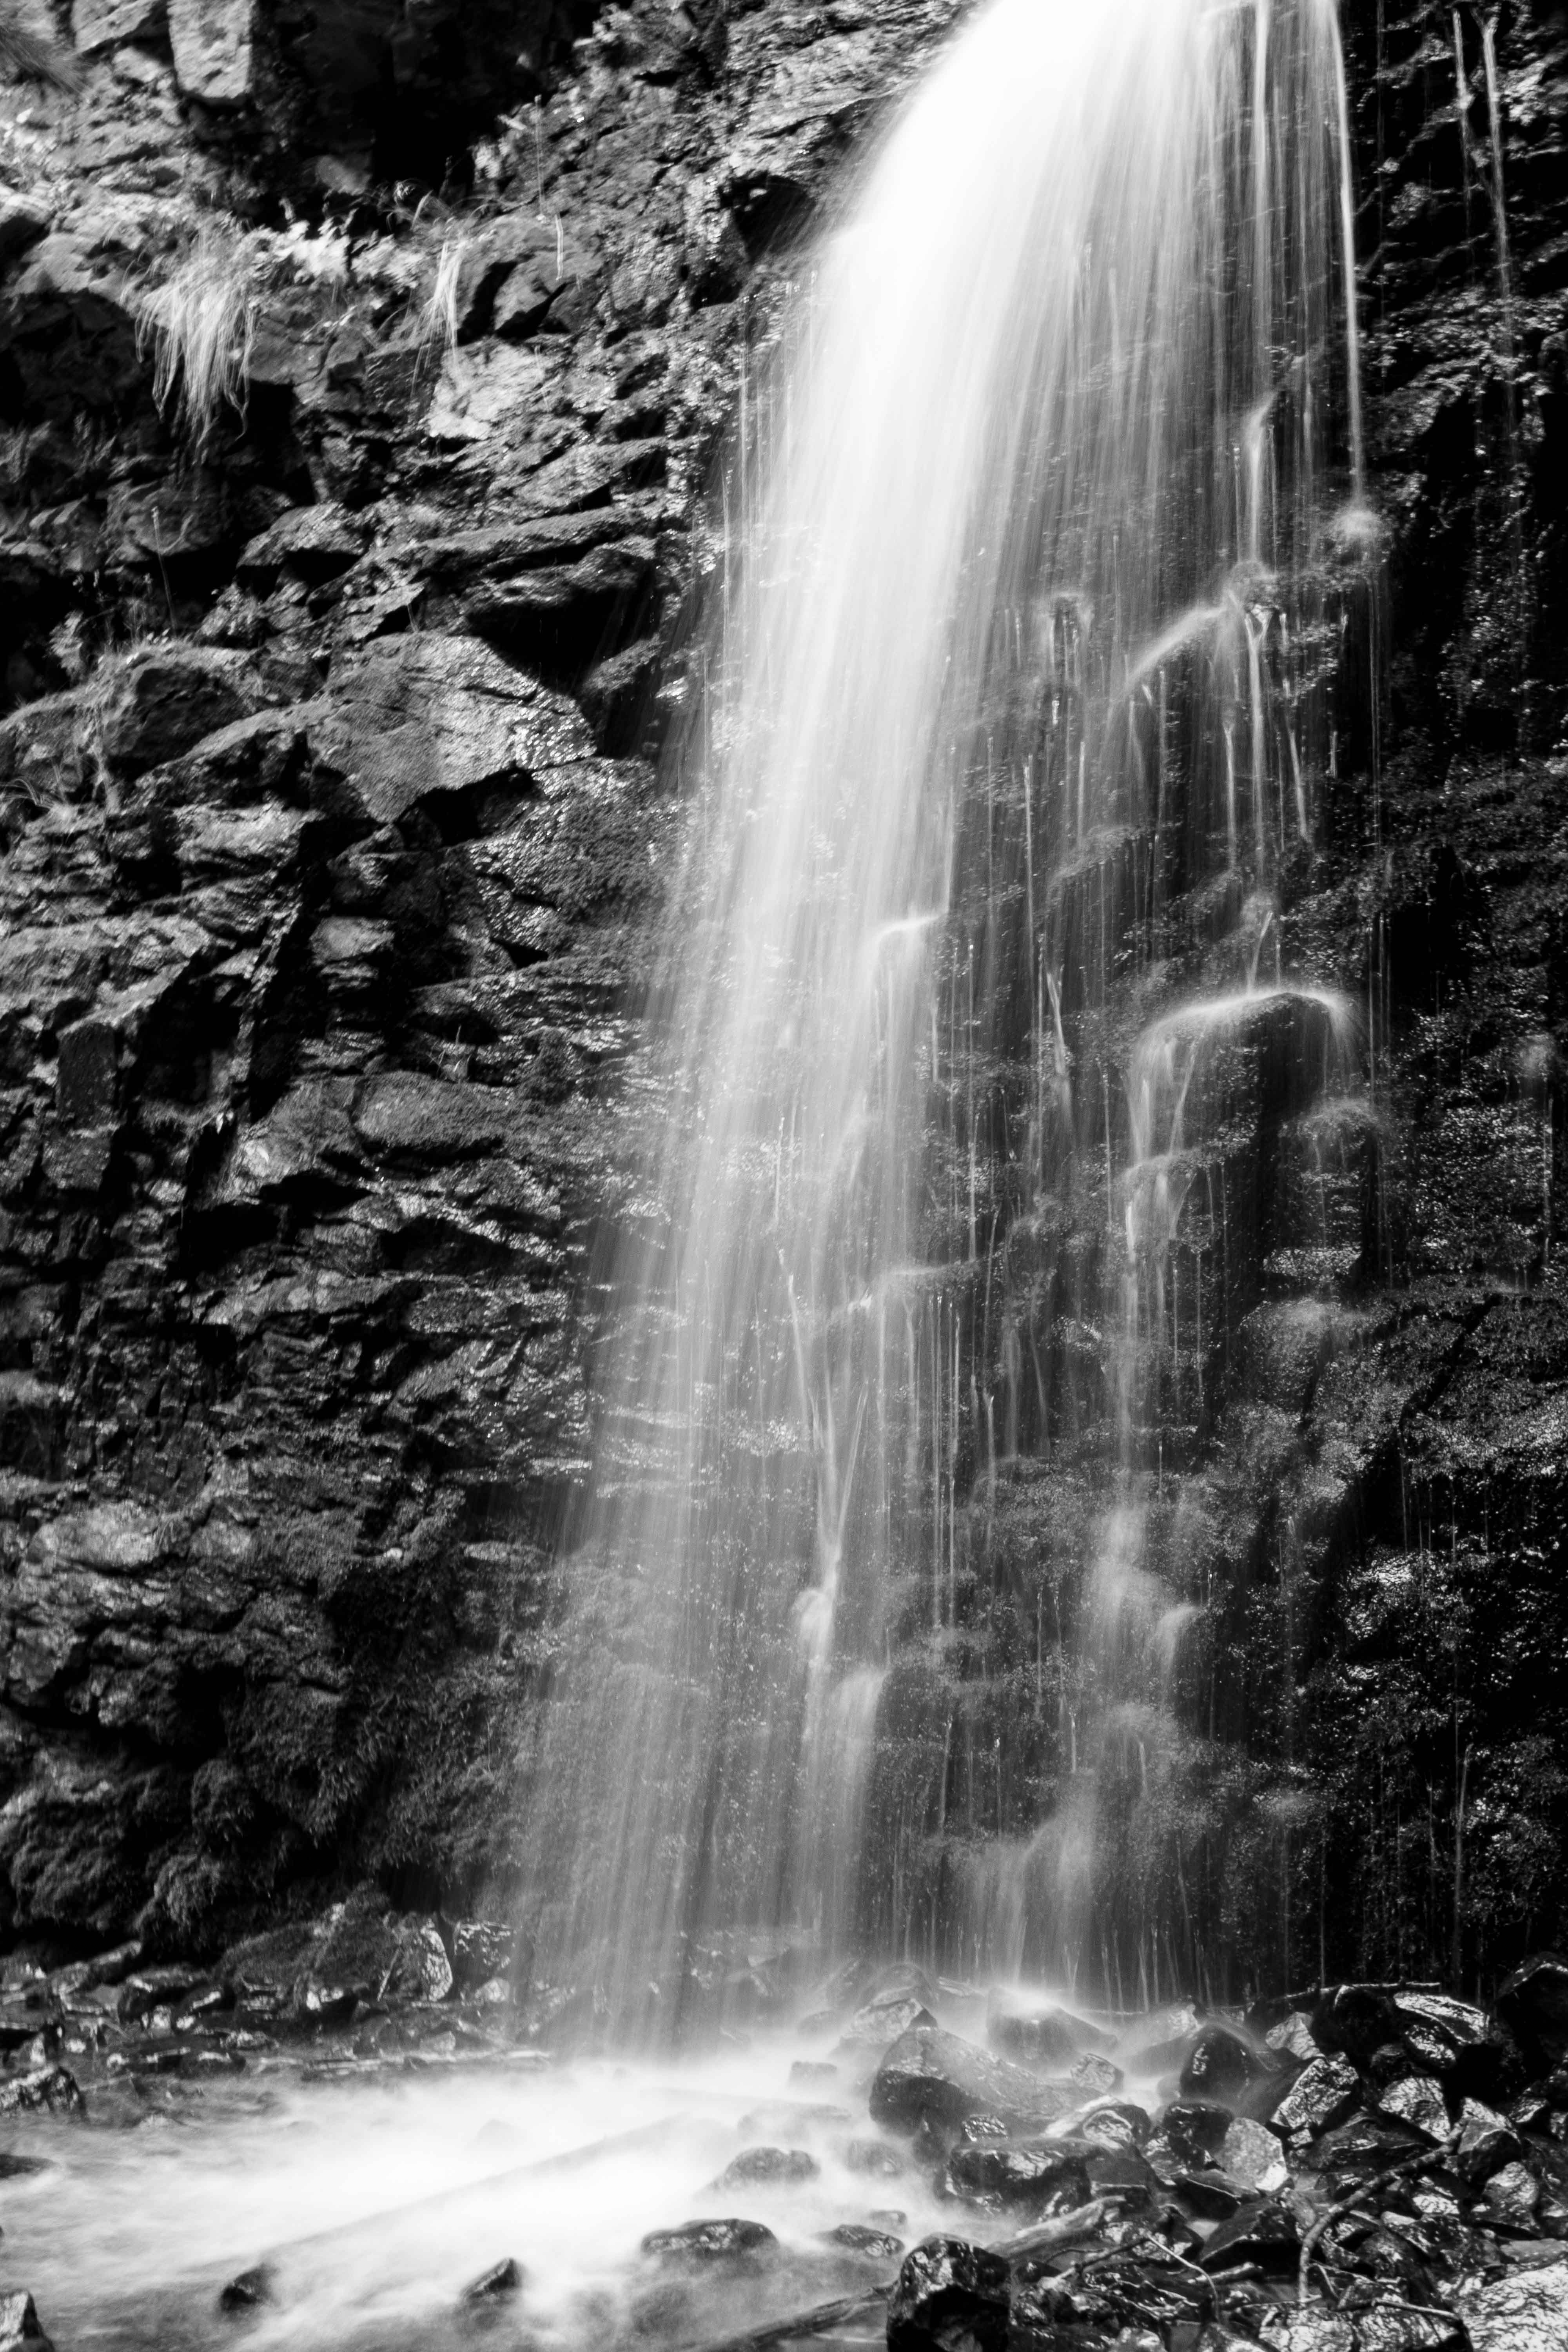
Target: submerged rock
point(879, 2245)
point(951, 2296)
point(755, 2165)
point(503, 2278)
point(694, 2244)
point(249, 2290)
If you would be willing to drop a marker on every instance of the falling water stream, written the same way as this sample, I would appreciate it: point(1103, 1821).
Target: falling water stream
point(1015, 704)
point(990, 1083)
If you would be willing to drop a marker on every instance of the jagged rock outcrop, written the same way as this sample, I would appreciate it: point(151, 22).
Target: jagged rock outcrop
point(329, 834)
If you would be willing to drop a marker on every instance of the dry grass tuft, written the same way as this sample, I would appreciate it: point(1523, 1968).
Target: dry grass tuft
point(201, 323)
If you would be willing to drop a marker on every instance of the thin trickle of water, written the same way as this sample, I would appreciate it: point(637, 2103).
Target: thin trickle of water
point(1028, 633)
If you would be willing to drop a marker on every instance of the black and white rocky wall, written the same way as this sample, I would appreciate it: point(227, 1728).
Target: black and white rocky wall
point(330, 830)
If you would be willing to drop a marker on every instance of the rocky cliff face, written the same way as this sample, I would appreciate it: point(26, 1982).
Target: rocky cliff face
point(360, 377)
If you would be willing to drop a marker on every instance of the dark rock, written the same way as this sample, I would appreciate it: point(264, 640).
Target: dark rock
point(1323, 2094)
point(149, 1989)
point(1416, 2100)
point(933, 2076)
point(502, 2279)
point(1219, 2065)
point(1195, 2129)
point(1534, 2003)
point(251, 2290)
point(1207, 2194)
point(1487, 2142)
point(161, 702)
point(49, 2090)
point(951, 2296)
point(694, 2244)
point(755, 2165)
point(1262, 2231)
point(1042, 2178)
point(481, 1949)
point(1115, 2123)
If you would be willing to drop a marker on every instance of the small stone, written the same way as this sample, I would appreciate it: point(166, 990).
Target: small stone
point(1094, 2072)
point(502, 2278)
point(948, 2295)
point(878, 2244)
point(877, 2156)
point(249, 2290)
point(694, 2244)
point(978, 2129)
point(757, 2166)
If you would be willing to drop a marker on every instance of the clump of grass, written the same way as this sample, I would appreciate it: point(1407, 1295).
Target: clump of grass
point(201, 324)
point(27, 55)
point(438, 320)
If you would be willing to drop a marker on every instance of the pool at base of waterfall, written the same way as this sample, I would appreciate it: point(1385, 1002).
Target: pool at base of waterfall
point(1148, 2171)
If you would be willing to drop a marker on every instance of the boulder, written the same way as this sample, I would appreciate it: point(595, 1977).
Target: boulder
point(951, 2296)
point(881, 2023)
point(933, 2076)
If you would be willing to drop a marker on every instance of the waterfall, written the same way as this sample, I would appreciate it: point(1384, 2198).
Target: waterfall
point(1009, 720)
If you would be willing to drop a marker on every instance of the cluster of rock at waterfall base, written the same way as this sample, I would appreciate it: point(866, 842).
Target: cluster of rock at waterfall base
point(1380, 2170)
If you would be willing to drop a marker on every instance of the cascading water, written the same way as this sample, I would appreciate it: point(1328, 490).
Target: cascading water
point(1041, 538)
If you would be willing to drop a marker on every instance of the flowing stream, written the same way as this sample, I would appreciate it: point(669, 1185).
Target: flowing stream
point(986, 1061)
